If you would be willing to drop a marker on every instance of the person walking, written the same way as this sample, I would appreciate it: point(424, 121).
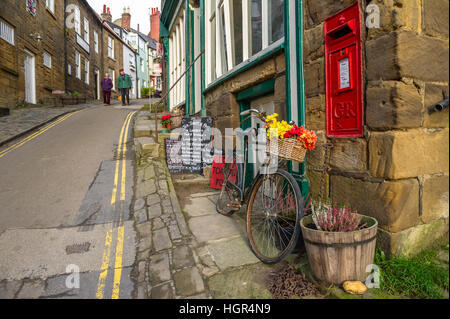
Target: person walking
point(124, 84)
point(107, 86)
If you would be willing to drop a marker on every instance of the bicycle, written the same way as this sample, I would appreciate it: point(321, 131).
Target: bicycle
point(274, 203)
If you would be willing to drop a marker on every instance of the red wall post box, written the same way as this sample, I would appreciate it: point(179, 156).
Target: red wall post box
point(343, 72)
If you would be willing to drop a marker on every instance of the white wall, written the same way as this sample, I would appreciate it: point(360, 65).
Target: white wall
point(129, 61)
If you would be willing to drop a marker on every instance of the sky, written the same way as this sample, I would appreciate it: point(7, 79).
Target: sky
point(139, 9)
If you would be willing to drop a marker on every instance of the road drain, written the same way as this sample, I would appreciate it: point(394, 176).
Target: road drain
point(78, 248)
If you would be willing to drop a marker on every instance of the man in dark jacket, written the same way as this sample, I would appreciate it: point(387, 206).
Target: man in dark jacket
point(107, 86)
point(124, 84)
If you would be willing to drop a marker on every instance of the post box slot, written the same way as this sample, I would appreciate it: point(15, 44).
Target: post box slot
point(342, 31)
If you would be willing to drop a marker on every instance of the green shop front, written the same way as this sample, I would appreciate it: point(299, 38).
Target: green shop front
point(252, 58)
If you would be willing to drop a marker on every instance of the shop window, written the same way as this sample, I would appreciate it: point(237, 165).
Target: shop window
point(238, 29)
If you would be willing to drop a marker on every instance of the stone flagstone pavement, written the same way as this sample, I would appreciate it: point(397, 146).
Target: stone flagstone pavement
point(180, 248)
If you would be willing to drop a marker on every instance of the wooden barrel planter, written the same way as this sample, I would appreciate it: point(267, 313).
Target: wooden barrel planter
point(339, 257)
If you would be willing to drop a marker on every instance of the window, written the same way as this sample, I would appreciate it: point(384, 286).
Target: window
point(69, 69)
point(238, 29)
point(50, 5)
point(6, 32)
point(177, 63)
point(86, 71)
point(111, 47)
point(78, 64)
point(96, 41)
point(47, 60)
point(142, 65)
point(77, 20)
point(86, 30)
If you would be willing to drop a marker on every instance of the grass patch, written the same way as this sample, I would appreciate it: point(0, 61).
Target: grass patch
point(422, 276)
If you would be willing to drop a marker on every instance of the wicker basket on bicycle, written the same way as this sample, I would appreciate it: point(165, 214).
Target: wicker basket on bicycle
point(289, 149)
point(288, 141)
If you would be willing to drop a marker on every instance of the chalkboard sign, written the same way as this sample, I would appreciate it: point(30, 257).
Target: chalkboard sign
point(196, 143)
point(173, 155)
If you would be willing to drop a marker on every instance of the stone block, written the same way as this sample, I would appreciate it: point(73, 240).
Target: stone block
point(182, 258)
point(435, 18)
point(162, 292)
point(412, 153)
point(212, 227)
point(141, 216)
point(349, 155)
point(153, 199)
point(381, 54)
point(317, 11)
point(316, 157)
point(434, 93)
point(393, 105)
point(395, 17)
point(315, 178)
point(315, 113)
point(159, 268)
point(146, 188)
point(422, 57)
point(395, 204)
point(314, 43)
point(232, 253)
point(315, 78)
point(435, 197)
point(413, 240)
point(407, 54)
point(200, 206)
point(161, 239)
point(188, 282)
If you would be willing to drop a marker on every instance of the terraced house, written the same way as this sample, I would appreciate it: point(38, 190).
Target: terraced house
point(365, 75)
point(31, 51)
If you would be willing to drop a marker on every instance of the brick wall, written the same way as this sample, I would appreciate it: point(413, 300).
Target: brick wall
point(398, 172)
point(50, 27)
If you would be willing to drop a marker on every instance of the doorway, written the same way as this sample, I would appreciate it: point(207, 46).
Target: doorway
point(30, 77)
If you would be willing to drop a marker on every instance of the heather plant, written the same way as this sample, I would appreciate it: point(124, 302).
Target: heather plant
point(333, 218)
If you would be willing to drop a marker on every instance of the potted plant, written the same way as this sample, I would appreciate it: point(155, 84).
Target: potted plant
point(340, 243)
point(288, 141)
point(166, 121)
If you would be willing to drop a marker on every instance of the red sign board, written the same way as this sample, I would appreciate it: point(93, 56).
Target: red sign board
point(217, 176)
point(343, 70)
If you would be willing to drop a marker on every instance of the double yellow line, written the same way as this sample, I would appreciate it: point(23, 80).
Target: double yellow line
point(36, 134)
point(121, 158)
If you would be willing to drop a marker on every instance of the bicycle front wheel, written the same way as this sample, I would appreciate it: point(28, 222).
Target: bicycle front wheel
point(273, 215)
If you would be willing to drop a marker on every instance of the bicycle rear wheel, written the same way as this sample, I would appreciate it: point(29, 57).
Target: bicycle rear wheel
point(228, 202)
point(273, 216)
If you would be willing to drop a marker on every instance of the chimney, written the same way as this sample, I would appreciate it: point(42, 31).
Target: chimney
point(154, 24)
point(126, 18)
point(106, 14)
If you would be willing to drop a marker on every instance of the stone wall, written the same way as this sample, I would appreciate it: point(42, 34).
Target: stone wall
point(75, 84)
point(50, 26)
point(399, 171)
point(109, 63)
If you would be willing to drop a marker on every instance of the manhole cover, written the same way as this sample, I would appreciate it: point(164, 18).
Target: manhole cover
point(78, 248)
